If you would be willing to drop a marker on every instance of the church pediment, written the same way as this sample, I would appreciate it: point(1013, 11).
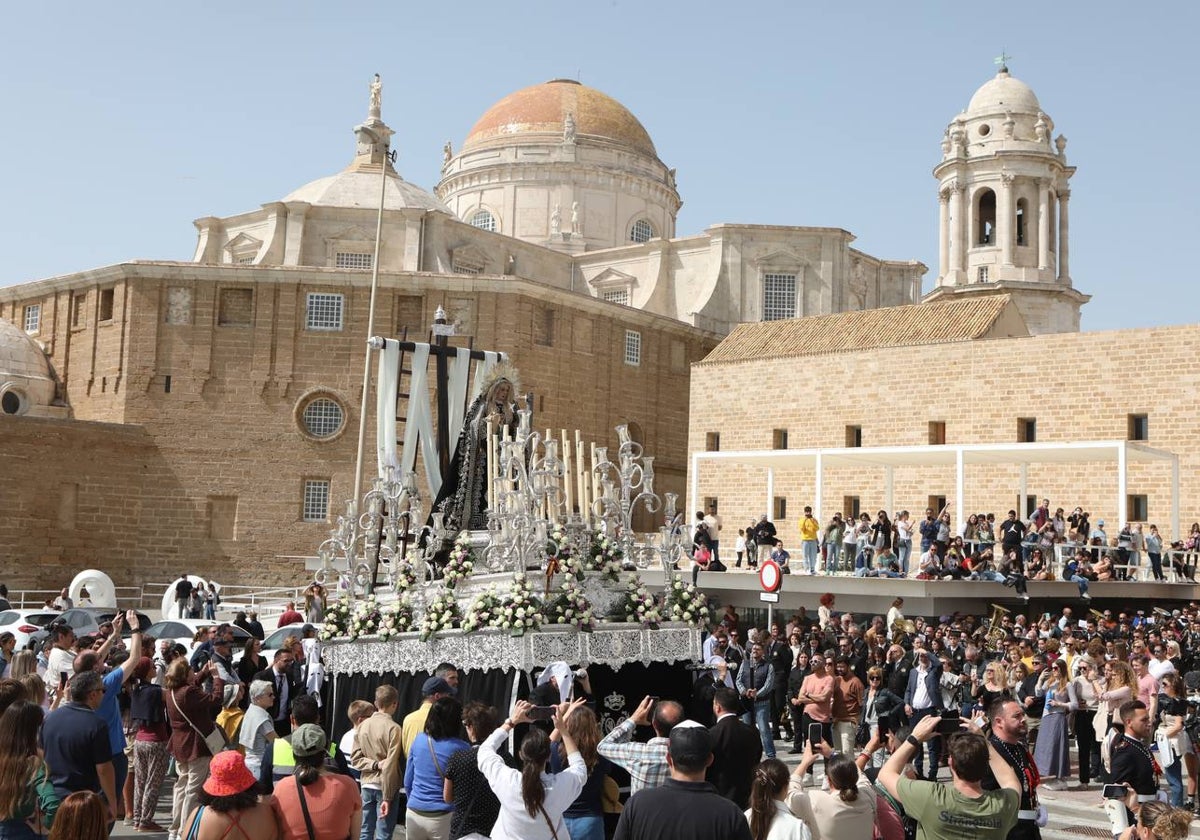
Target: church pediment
point(353, 234)
point(243, 248)
point(783, 258)
point(468, 259)
point(610, 278)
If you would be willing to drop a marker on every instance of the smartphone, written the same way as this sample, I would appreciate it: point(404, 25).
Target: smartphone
point(541, 713)
point(1115, 791)
point(948, 725)
point(814, 734)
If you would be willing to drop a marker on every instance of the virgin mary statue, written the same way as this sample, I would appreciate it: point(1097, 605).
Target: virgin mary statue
point(463, 499)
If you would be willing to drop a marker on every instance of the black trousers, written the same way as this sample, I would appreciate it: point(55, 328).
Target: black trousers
point(779, 705)
point(935, 744)
point(1085, 739)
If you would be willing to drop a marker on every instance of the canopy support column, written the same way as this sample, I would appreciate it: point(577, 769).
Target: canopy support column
point(1122, 498)
point(770, 506)
point(820, 487)
point(959, 489)
point(889, 490)
point(1023, 488)
point(1175, 532)
point(694, 490)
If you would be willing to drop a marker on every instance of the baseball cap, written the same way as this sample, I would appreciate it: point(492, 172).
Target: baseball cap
point(437, 685)
point(308, 739)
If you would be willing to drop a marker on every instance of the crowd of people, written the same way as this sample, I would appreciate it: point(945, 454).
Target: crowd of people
point(1011, 550)
point(909, 720)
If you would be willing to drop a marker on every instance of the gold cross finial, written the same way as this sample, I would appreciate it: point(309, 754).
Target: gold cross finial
point(1001, 61)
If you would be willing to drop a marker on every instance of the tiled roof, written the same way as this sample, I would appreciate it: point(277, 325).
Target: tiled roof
point(922, 323)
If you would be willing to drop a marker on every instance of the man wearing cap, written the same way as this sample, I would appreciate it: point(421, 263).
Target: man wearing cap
point(685, 806)
point(646, 763)
point(331, 808)
point(432, 690)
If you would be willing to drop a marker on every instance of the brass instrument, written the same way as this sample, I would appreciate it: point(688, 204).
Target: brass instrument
point(1164, 613)
point(903, 626)
point(1097, 615)
point(994, 637)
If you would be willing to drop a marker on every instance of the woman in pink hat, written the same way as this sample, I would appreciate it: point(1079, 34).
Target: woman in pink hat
point(229, 808)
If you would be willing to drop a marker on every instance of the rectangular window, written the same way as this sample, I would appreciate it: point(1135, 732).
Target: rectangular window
point(620, 296)
point(1026, 430)
point(710, 504)
point(983, 274)
point(1137, 507)
point(106, 304)
point(222, 517)
point(315, 504)
point(33, 318)
point(853, 436)
point(851, 507)
point(779, 504)
point(349, 259)
point(937, 432)
point(936, 503)
point(410, 315)
point(779, 439)
point(1139, 426)
point(78, 313)
point(712, 442)
point(323, 311)
point(633, 347)
point(543, 327)
point(779, 297)
point(235, 307)
point(1029, 507)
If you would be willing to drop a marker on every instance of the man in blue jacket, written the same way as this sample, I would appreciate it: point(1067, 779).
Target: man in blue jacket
point(923, 698)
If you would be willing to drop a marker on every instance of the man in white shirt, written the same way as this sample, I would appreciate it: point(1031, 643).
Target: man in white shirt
point(62, 657)
point(713, 523)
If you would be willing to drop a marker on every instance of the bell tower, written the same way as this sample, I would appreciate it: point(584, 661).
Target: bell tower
point(1003, 200)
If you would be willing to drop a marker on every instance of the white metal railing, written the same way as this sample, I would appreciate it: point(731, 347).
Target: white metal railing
point(32, 599)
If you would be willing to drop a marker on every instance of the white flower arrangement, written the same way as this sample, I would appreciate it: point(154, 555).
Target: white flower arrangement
point(337, 620)
point(520, 610)
point(571, 606)
point(441, 614)
point(406, 571)
point(686, 603)
point(394, 618)
point(461, 563)
point(605, 556)
point(637, 606)
point(483, 611)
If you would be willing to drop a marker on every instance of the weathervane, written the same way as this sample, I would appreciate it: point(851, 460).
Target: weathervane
point(1001, 61)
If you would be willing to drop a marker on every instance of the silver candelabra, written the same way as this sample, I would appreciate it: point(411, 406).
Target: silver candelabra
point(624, 485)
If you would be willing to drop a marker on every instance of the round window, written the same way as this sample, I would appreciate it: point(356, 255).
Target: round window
point(985, 130)
point(323, 418)
point(10, 402)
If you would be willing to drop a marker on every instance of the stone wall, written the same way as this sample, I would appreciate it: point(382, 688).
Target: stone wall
point(1078, 387)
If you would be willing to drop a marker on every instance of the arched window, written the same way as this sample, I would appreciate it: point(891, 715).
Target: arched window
point(642, 231)
point(1022, 221)
point(985, 218)
point(484, 220)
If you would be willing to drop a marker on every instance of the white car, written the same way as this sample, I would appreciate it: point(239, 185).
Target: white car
point(24, 623)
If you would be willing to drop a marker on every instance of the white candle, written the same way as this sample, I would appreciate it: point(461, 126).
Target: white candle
point(595, 477)
point(567, 478)
point(492, 465)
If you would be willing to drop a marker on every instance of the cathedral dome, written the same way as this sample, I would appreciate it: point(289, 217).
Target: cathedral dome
point(26, 380)
point(359, 187)
point(542, 110)
point(1003, 93)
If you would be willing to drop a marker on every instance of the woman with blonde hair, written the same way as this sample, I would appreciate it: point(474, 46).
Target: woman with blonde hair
point(1052, 752)
point(24, 662)
point(1086, 699)
point(847, 810)
point(768, 814)
point(1159, 821)
point(1117, 685)
point(27, 799)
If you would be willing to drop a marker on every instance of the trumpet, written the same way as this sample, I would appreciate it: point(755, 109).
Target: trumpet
point(1096, 614)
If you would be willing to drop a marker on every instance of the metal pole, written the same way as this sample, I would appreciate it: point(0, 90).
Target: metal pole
point(366, 360)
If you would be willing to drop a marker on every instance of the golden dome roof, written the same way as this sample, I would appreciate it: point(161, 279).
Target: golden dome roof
point(542, 109)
